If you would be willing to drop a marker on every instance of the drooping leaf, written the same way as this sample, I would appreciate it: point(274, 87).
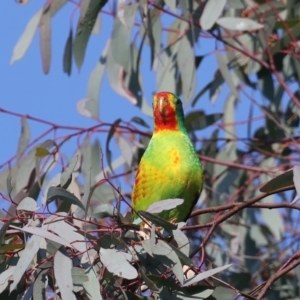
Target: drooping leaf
point(127, 150)
point(212, 11)
point(66, 231)
point(226, 74)
point(9, 184)
point(27, 204)
point(109, 137)
point(26, 38)
point(162, 282)
point(5, 276)
point(39, 286)
point(4, 228)
point(43, 233)
point(67, 173)
point(28, 254)
point(186, 66)
point(120, 44)
point(62, 266)
point(239, 24)
point(154, 32)
point(168, 256)
point(94, 84)
point(68, 52)
point(283, 180)
point(205, 275)
point(63, 195)
point(162, 205)
point(126, 13)
point(224, 293)
point(140, 121)
point(116, 263)
point(185, 260)
point(104, 211)
point(157, 220)
point(84, 29)
point(165, 73)
point(24, 138)
point(292, 113)
point(182, 241)
point(45, 40)
point(149, 281)
point(198, 120)
point(92, 285)
point(171, 4)
point(41, 152)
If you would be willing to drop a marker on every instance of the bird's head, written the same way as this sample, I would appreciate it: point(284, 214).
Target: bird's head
point(167, 112)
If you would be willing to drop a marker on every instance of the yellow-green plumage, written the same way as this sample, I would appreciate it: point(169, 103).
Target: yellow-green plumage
point(170, 167)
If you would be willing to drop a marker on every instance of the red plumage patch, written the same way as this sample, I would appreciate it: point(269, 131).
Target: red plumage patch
point(166, 119)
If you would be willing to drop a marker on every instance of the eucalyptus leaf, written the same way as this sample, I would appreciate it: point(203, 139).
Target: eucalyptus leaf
point(63, 195)
point(157, 220)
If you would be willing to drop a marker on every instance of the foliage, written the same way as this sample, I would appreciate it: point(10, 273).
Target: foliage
point(69, 233)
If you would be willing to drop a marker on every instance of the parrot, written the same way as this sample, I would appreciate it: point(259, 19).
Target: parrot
point(169, 167)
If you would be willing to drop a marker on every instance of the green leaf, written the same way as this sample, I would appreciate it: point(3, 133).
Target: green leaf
point(292, 113)
point(163, 205)
point(120, 44)
point(154, 33)
point(212, 11)
point(45, 40)
point(157, 220)
point(41, 152)
point(165, 72)
point(266, 83)
point(24, 138)
point(139, 121)
point(4, 228)
point(239, 24)
point(109, 137)
point(107, 240)
point(223, 293)
point(286, 39)
point(117, 76)
point(284, 180)
point(63, 195)
point(185, 260)
point(171, 4)
point(27, 204)
point(127, 150)
point(186, 66)
point(11, 247)
point(104, 211)
point(9, 184)
point(165, 253)
point(116, 263)
point(182, 241)
point(95, 81)
point(68, 52)
point(26, 38)
point(241, 281)
point(198, 120)
point(161, 282)
point(67, 173)
point(84, 29)
point(226, 74)
point(205, 274)
point(149, 282)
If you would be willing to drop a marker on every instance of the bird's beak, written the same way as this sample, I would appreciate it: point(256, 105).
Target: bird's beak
point(162, 104)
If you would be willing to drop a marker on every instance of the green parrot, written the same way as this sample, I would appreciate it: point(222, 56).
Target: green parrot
point(170, 167)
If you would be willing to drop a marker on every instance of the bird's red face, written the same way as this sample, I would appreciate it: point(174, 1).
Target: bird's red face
point(165, 111)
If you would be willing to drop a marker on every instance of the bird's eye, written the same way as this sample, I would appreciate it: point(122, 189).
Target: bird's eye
point(178, 102)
